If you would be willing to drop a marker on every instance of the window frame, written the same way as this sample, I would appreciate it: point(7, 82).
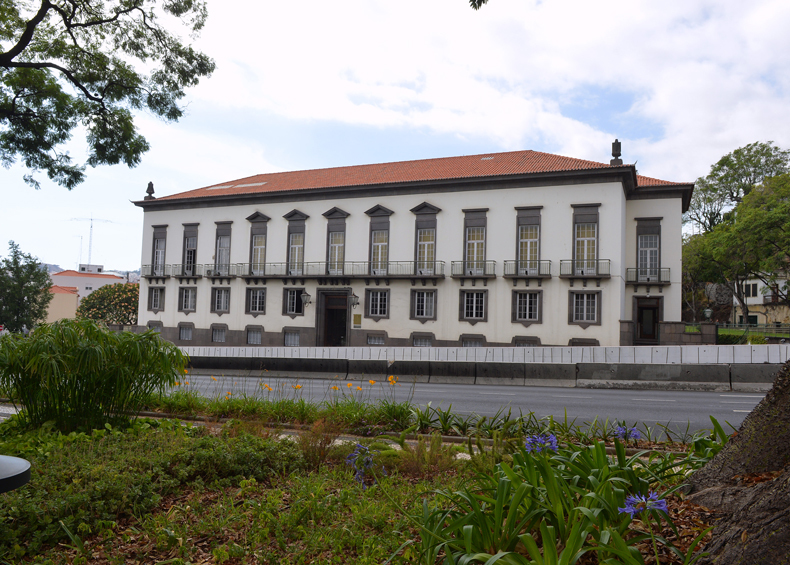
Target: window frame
point(258, 228)
point(585, 214)
point(292, 331)
point(160, 292)
point(158, 267)
point(189, 253)
point(181, 293)
point(299, 306)
point(223, 233)
point(369, 303)
point(215, 292)
point(183, 326)
point(248, 302)
point(584, 324)
point(462, 306)
point(249, 329)
point(514, 318)
point(219, 328)
point(413, 304)
point(648, 227)
point(297, 224)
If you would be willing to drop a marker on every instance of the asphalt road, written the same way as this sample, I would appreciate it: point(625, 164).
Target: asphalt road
point(679, 410)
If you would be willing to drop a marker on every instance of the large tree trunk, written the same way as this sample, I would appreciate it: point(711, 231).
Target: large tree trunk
point(748, 485)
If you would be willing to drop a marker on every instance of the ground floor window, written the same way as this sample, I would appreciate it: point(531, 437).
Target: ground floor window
point(473, 305)
point(585, 308)
point(423, 304)
point(291, 339)
point(377, 303)
point(185, 333)
point(254, 336)
point(218, 335)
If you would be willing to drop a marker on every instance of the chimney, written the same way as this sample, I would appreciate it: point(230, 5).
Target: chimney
point(616, 154)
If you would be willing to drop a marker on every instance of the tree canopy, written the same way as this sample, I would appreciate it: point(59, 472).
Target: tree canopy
point(731, 178)
point(90, 63)
point(24, 290)
point(112, 304)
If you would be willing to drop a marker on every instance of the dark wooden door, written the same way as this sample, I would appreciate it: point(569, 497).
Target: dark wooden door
point(335, 320)
point(647, 321)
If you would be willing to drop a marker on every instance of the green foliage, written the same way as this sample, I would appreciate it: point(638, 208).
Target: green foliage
point(112, 304)
point(24, 290)
point(91, 64)
point(222, 462)
point(80, 375)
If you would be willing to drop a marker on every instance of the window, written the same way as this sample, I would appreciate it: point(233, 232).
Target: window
point(475, 251)
point(292, 302)
point(185, 333)
point(217, 335)
point(375, 339)
point(473, 306)
point(526, 307)
point(296, 254)
point(156, 299)
point(88, 288)
point(222, 257)
point(254, 336)
point(379, 253)
point(377, 303)
point(585, 308)
point(159, 256)
point(648, 258)
point(750, 290)
point(187, 299)
point(155, 326)
point(291, 339)
point(423, 304)
point(472, 343)
point(189, 259)
point(422, 342)
point(528, 239)
point(586, 246)
point(256, 301)
point(258, 254)
point(337, 242)
point(426, 251)
point(220, 300)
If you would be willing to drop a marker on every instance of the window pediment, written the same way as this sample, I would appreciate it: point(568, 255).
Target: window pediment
point(379, 210)
point(336, 213)
point(295, 215)
point(258, 217)
point(425, 208)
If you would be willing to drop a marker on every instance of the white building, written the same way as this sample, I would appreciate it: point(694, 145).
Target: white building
point(86, 280)
point(763, 302)
point(497, 249)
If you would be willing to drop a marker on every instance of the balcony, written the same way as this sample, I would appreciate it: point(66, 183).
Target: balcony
point(647, 276)
point(595, 269)
point(345, 269)
point(227, 271)
point(770, 298)
point(473, 270)
point(527, 269)
point(156, 271)
point(187, 271)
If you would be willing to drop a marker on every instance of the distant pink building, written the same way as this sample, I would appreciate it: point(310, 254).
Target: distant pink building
point(85, 283)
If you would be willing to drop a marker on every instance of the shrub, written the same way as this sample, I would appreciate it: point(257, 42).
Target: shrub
point(80, 375)
point(228, 461)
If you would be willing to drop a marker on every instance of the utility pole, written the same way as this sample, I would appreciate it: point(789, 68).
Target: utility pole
point(90, 239)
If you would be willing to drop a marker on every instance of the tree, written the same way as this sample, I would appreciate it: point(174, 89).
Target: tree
point(112, 304)
point(24, 290)
point(71, 63)
point(731, 179)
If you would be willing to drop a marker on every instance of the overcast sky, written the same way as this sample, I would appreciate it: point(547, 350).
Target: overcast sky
point(313, 84)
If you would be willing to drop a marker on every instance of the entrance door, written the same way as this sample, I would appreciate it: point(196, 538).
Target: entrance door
point(335, 320)
point(647, 320)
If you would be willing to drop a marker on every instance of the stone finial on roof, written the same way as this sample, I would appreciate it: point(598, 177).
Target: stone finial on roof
point(150, 192)
point(616, 153)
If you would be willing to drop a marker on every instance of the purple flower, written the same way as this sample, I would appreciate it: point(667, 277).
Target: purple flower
point(636, 504)
point(362, 460)
point(625, 433)
point(540, 442)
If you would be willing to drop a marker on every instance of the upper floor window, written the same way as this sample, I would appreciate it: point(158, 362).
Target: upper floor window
point(423, 304)
point(189, 259)
point(336, 240)
point(258, 229)
point(377, 303)
point(585, 308)
point(187, 300)
point(158, 258)
point(222, 255)
point(256, 301)
point(156, 299)
point(648, 252)
point(379, 239)
point(475, 241)
point(526, 306)
point(474, 307)
point(585, 239)
point(528, 240)
point(292, 302)
point(296, 241)
point(425, 248)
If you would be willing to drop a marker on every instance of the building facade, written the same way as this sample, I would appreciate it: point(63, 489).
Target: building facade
point(764, 304)
point(500, 249)
point(84, 281)
point(63, 305)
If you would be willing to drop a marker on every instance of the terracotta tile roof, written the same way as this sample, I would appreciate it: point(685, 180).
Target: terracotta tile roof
point(89, 275)
point(446, 168)
point(57, 289)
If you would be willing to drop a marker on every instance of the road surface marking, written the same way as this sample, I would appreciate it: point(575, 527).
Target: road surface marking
point(741, 410)
point(740, 396)
point(653, 400)
point(725, 402)
point(498, 393)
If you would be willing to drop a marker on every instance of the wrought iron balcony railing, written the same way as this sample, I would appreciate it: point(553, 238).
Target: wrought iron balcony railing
point(472, 269)
point(527, 269)
point(349, 269)
point(647, 276)
point(588, 268)
point(155, 271)
point(187, 270)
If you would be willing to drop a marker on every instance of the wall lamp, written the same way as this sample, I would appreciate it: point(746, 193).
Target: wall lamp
point(354, 300)
point(306, 299)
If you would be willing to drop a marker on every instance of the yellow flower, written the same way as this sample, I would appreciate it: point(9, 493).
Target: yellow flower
point(335, 387)
point(178, 383)
point(228, 393)
point(359, 388)
point(372, 382)
point(186, 382)
point(349, 385)
point(297, 387)
point(214, 378)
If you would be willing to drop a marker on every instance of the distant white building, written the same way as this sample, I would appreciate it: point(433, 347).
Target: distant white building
point(497, 249)
point(763, 303)
point(85, 281)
